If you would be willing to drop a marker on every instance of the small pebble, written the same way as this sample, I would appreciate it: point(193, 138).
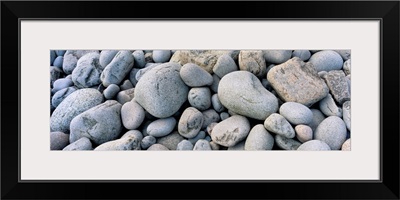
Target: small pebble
point(161, 127)
point(184, 145)
point(160, 56)
point(58, 140)
point(200, 98)
point(296, 113)
point(111, 91)
point(148, 141)
point(303, 133)
point(202, 145)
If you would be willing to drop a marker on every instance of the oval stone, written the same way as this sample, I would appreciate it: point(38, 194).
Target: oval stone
point(58, 140)
point(277, 56)
point(132, 115)
point(200, 98)
point(326, 60)
point(129, 141)
point(332, 131)
point(87, 71)
point(184, 145)
point(259, 139)
point(314, 145)
point(202, 145)
point(277, 124)
point(161, 127)
point(195, 76)
point(79, 145)
point(231, 131)
point(190, 122)
point(286, 143)
point(296, 113)
point(106, 57)
point(157, 147)
point(117, 69)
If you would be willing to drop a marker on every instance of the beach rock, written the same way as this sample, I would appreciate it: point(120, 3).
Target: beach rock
point(214, 146)
point(216, 103)
point(139, 58)
point(253, 61)
point(195, 76)
point(224, 65)
point(161, 127)
point(345, 54)
point(87, 71)
point(242, 92)
point(100, 124)
point(58, 62)
point(129, 141)
point(326, 60)
point(190, 123)
point(132, 115)
point(73, 105)
point(318, 117)
point(79, 145)
point(53, 56)
point(200, 98)
point(60, 52)
point(147, 141)
point(209, 116)
point(337, 84)
point(184, 145)
point(200, 135)
point(286, 143)
point(206, 59)
point(160, 56)
point(60, 95)
point(132, 76)
point(58, 140)
point(237, 147)
point(71, 58)
point(347, 145)
point(161, 91)
point(55, 73)
point(117, 69)
point(329, 107)
point(224, 115)
point(126, 85)
point(297, 81)
point(332, 131)
point(125, 95)
point(157, 147)
point(277, 56)
point(106, 56)
point(215, 84)
point(347, 114)
point(347, 67)
point(171, 141)
point(259, 139)
point(202, 145)
point(304, 55)
point(231, 131)
point(148, 67)
point(61, 83)
point(111, 91)
point(277, 124)
point(303, 133)
point(314, 145)
point(296, 113)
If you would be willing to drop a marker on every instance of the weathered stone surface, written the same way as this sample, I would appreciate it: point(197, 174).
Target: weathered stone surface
point(55, 73)
point(184, 145)
point(71, 58)
point(259, 139)
point(347, 145)
point(202, 145)
point(138, 56)
point(157, 147)
point(253, 61)
point(147, 141)
point(106, 57)
point(344, 53)
point(347, 67)
point(129, 141)
point(190, 122)
point(231, 131)
point(303, 133)
point(337, 84)
point(161, 91)
point(160, 56)
point(277, 124)
point(125, 96)
point(117, 69)
point(87, 71)
point(200, 135)
point(304, 55)
point(242, 92)
point(111, 91)
point(60, 95)
point(200, 98)
point(297, 81)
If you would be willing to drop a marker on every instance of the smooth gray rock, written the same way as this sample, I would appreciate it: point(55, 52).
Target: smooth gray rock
point(224, 65)
point(211, 127)
point(61, 83)
point(314, 145)
point(318, 117)
point(170, 141)
point(344, 53)
point(206, 59)
point(224, 115)
point(129, 141)
point(253, 61)
point(237, 147)
point(259, 139)
point(200, 98)
point(138, 56)
point(347, 114)
point(111, 91)
point(303, 133)
point(242, 92)
point(202, 145)
point(87, 71)
point(347, 67)
point(132, 76)
point(277, 124)
point(190, 122)
point(126, 85)
point(326, 60)
point(277, 56)
point(117, 69)
point(214, 146)
point(147, 141)
point(231, 131)
point(346, 145)
point(143, 71)
point(195, 76)
point(304, 55)
point(71, 58)
point(209, 116)
point(161, 91)
point(296, 113)
point(286, 143)
point(184, 145)
point(73, 105)
point(200, 135)
point(132, 115)
point(329, 107)
point(337, 84)
point(106, 56)
point(58, 140)
point(125, 95)
point(161, 127)
point(297, 81)
point(60, 52)
point(144, 127)
point(332, 131)
point(58, 62)
point(79, 145)
point(160, 56)
point(216, 103)
point(100, 124)
point(215, 84)
point(60, 95)
point(55, 73)
point(157, 147)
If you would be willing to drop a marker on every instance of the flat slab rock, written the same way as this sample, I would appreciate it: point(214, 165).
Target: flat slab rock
point(297, 81)
point(338, 85)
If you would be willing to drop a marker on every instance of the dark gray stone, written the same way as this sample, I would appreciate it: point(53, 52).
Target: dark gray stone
point(58, 140)
point(286, 143)
point(337, 84)
point(148, 141)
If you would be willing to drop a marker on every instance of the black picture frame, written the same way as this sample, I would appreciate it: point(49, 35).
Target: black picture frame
point(386, 11)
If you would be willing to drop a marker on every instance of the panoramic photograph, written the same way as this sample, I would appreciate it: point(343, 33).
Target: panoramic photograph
point(200, 100)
